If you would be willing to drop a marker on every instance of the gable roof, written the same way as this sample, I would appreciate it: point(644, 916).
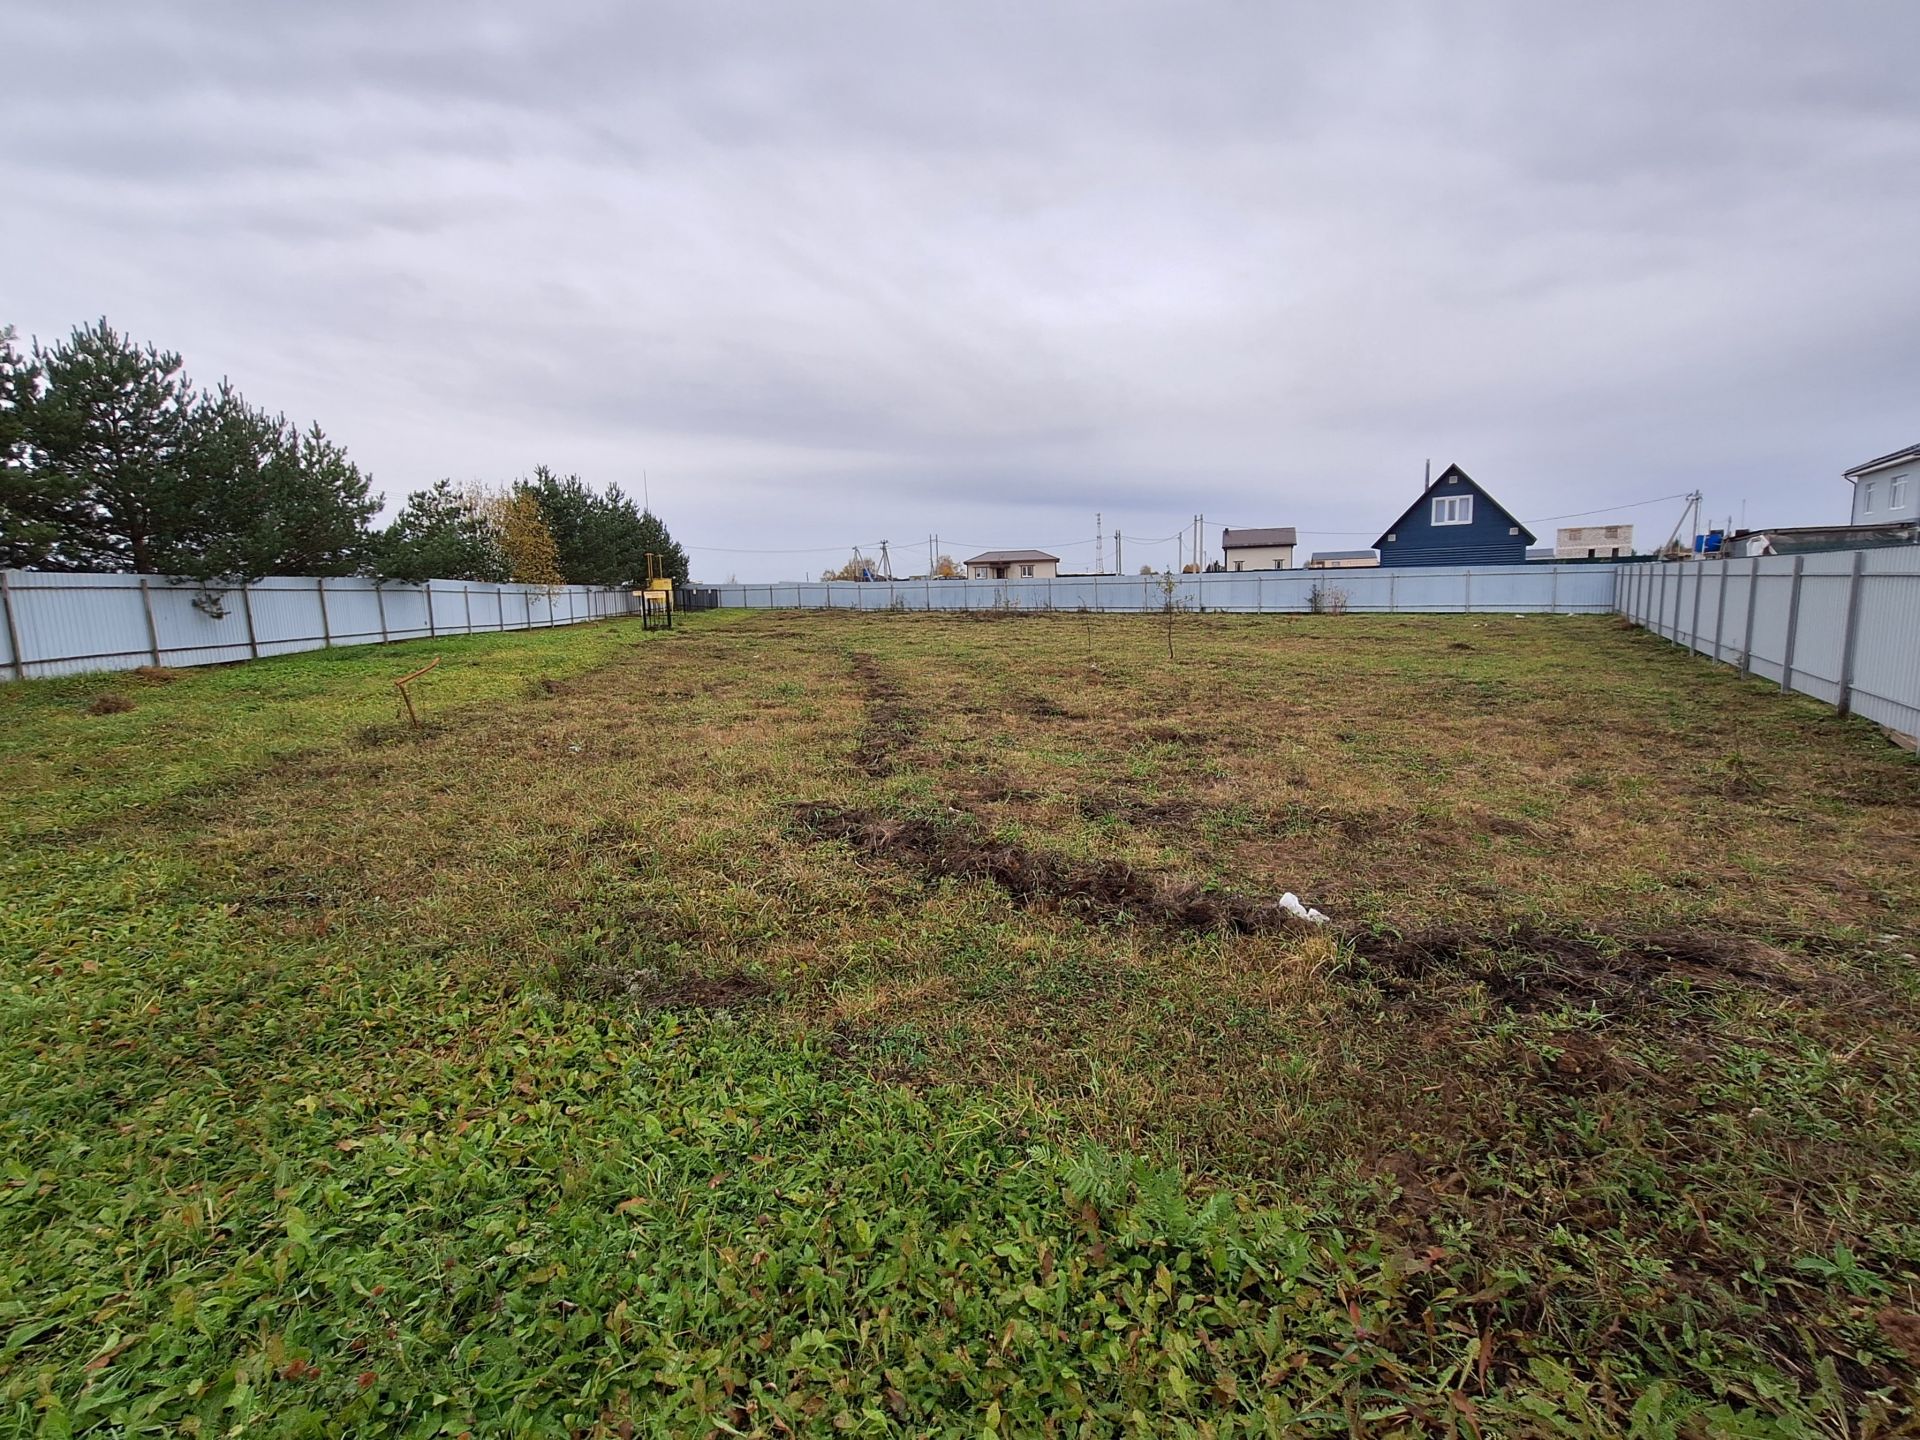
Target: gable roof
point(1009, 557)
point(1912, 452)
point(1250, 539)
point(1454, 472)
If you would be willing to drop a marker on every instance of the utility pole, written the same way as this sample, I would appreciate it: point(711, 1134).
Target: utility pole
point(1201, 558)
point(1099, 544)
point(886, 564)
point(1119, 565)
point(1691, 507)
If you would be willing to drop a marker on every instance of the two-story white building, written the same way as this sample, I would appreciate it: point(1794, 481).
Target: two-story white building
point(1887, 491)
point(1268, 549)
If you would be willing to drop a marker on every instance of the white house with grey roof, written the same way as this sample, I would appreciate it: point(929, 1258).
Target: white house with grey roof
point(1268, 549)
point(1013, 565)
point(1887, 491)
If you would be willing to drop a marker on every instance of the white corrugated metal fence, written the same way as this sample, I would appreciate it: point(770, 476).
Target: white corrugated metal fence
point(1840, 625)
point(1561, 589)
point(55, 624)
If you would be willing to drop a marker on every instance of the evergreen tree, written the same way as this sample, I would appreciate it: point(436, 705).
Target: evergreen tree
point(109, 460)
point(651, 537)
point(277, 502)
point(584, 529)
point(439, 535)
point(29, 526)
point(602, 539)
point(111, 429)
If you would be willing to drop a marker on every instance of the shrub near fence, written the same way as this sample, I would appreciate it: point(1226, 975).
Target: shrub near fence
point(1538, 588)
point(57, 624)
point(1841, 625)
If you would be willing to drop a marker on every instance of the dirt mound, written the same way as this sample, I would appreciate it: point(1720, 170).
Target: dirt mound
point(1099, 889)
point(109, 704)
point(1531, 969)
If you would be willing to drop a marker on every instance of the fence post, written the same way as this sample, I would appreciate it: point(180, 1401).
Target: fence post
point(432, 629)
point(153, 630)
point(13, 628)
point(1793, 623)
point(1753, 603)
point(466, 601)
point(1660, 616)
point(246, 609)
point(500, 607)
point(1693, 628)
point(380, 604)
point(1553, 595)
point(1720, 609)
point(1467, 578)
point(1393, 579)
point(1854, 586)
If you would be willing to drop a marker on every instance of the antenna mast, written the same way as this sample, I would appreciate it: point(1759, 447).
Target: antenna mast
point(1099, 544)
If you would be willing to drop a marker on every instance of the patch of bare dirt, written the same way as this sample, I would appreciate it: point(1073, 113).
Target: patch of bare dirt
point(891, 723)
point(111, 703)
point(653, 989)
point(1532, 970)
point(155, 674)
point(1102, 890)
point(1137, 809)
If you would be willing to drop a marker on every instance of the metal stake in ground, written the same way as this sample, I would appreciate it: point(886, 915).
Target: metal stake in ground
point(406, 680)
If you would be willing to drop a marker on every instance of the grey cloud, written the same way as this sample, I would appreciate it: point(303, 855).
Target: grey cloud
point(822, 273)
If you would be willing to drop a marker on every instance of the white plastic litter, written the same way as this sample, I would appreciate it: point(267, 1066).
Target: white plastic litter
point(1290, 903)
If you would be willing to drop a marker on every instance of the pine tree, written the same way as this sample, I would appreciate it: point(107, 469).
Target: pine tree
point(439, 535)
point(112, 429)
point(651, 537)
point(30, 522)
point(278, 502)
point(584, 526)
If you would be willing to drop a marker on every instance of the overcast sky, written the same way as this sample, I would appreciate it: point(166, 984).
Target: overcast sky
point(832, 273)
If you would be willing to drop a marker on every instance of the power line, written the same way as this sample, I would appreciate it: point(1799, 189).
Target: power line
point(1608, 510)
point(803, 550)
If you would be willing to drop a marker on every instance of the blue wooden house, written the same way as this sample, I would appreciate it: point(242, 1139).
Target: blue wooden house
point(1454, 522)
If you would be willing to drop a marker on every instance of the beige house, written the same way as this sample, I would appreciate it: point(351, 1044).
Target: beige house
point(1013, 565)
point(1344, 560)
point(1592, 542)
point(1270, 549)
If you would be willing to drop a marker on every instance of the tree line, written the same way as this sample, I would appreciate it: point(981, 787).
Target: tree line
point(112, 459)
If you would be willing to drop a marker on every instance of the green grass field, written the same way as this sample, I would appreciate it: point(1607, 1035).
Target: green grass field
point(872, 1025)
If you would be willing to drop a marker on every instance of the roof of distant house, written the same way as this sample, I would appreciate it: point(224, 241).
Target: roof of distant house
point(1912, 452)
point(1009, 557)
point(1252, 539)
point(1343, 555)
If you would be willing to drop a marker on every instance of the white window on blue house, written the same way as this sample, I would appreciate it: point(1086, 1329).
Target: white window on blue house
point(1453, 510)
